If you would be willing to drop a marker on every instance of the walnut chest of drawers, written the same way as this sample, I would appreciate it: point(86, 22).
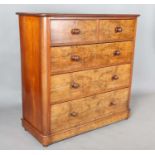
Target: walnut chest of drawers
point(76, 72)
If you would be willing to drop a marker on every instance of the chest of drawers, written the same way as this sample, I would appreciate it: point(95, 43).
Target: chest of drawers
point(76, 72)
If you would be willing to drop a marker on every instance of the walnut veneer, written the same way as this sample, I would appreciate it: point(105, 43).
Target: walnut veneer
point(76, 72)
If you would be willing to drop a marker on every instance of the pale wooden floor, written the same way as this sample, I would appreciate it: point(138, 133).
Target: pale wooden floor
point(138, 132)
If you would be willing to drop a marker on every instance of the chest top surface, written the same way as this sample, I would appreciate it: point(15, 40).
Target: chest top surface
point(67, 15)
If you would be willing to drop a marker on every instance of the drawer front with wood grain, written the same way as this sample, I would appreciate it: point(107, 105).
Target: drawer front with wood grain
point(74, 58)
point(72, 113)
point(116, 30)
point(75, 85)
point(64, 32)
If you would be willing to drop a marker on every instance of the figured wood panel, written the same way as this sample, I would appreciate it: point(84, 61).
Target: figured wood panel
point(74, 58)
point(116, 30)
point(77, 112)
point(60, 135)
point(61, 31)
point(30, 35)
point(84, 83)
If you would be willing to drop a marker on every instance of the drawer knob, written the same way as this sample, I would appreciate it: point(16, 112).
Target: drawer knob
point(116, 53)
point(75, 85)
point(75, 58)
point(118, 29)
point(73, 114)
point(115, 77)
point(112, 104)
point(75, 31)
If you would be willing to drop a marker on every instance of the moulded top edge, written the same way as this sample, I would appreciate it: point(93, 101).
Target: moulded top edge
point(75, 15)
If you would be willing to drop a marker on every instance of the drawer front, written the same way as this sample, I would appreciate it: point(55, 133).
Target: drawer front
point(73, 31)
point(116, 30)
point(76, 112)
point(74, 58)
point(84, 83)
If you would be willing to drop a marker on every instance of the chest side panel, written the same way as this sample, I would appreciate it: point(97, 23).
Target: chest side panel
point(30, 34)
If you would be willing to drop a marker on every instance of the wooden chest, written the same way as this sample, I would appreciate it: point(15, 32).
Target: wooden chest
point(76, 72)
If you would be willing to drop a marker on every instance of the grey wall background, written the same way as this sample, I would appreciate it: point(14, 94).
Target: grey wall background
point(10, 81)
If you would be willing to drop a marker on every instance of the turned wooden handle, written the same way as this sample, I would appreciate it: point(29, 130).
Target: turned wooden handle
point(75, 58)
point(112, 104)
point(116, 53)
point(75, 85)
point(75, 31)
point(118, 29)
point(73, 114)
point(115, 77)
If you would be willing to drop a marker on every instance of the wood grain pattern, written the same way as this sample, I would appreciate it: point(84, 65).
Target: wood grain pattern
point(61, 31)
point(88, 127)
point(30, 35)
point(35, 72)
point(77, 112)
point(90, 82)
point(107, 29)
point(90, 56)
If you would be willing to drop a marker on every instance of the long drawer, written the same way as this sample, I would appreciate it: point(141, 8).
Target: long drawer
point(75, 85)
point(77, 112)
point(74, 58)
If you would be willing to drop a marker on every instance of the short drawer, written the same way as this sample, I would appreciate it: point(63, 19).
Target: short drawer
point(74, 58)
point(64, 32)
point(116, 30)
point(75, 85)
point(77, 112)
